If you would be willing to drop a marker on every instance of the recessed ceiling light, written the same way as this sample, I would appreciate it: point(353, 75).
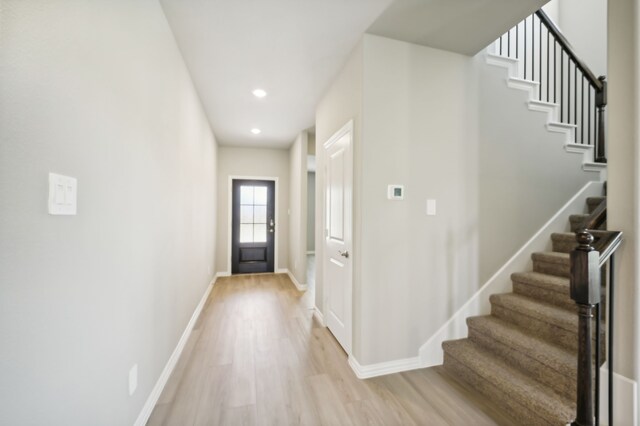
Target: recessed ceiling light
point(256, 131)
point(259, 93)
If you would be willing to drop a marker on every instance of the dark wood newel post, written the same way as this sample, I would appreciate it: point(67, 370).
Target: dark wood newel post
point(601, 103)
point(585, 291)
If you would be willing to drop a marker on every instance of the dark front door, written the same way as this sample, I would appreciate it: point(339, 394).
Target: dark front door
point(253, 226)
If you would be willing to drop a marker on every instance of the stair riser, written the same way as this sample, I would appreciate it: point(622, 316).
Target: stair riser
point(464, 374)
point(550, 332)
point(562, 384)
point(576, 222)
point(549, 296)
point(564, 246)
point(557, 269)
point(593, 203)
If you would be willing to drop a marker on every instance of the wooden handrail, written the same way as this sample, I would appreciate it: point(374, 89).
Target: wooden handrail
point(562, 41)
point(597, 217)
point(605, 242)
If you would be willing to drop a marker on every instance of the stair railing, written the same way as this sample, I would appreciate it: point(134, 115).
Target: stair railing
point(589, 261)
point(546, 57)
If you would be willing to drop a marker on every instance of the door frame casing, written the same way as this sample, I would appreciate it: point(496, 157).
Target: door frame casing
point(348, 128)
point(230, 217)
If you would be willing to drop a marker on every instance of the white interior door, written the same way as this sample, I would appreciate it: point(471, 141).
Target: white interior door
point(338, 235)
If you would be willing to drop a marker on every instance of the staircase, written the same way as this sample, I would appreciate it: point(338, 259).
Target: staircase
point(523, 355)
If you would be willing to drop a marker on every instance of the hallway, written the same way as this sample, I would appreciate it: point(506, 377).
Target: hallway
point(256, 356)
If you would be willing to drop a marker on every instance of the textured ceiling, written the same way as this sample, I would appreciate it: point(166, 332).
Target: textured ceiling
point(291, 48)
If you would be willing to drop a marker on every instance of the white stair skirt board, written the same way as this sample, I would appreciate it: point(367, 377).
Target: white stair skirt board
point(456, 327)
point(384, 368)
point(625, 391)
point(318, 316)
point(151, 401)
point(551, 109)
point(300, 287)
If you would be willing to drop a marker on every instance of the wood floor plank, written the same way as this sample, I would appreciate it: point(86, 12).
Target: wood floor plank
point(328, 405)
point(257, 357)
point(243, 390)
point(271, 400)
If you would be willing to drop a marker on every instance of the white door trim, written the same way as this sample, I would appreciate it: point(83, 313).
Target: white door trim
point(230, 216)
point(344, 130)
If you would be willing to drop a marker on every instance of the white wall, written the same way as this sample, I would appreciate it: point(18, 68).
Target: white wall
point(311, 211)
point(623, 200)
point(298, 208)
point(98, 91)
point(519, 161)
point(419, 131)
point(253, 162)
point(584, 24)
point(341, 103)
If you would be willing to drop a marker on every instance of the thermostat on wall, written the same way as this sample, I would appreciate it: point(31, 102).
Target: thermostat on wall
point(395, 192)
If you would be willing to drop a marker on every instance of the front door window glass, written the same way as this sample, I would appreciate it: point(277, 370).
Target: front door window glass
point(253, 214)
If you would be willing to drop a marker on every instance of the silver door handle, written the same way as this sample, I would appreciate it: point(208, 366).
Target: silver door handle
point(344, 253)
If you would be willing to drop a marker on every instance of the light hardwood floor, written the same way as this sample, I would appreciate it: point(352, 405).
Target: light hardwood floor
point(256, 357)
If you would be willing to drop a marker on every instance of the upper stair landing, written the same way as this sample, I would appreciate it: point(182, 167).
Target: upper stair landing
point(454, 25)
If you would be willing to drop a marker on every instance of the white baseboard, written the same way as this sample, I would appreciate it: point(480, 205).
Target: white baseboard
point(318, 316)
point(151, 401)
point(282, 271)
point(430, 353)
point(625, 390)
point(311, 252)
point(300, 287)
point(383, 368)
point(222, 274)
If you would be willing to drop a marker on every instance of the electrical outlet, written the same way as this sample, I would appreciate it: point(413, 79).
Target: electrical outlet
point(133, 379)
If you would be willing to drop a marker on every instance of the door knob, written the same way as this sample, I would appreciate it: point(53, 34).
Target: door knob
point(344, 253)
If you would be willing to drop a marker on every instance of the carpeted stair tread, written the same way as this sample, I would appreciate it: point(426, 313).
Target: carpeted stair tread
point(546, 281)
point(548, 363)
point(552, 263)
point(594, 202)
point(551, 257)
point(547, 288)
point(563, 242)
point(538, 310)
point(524, 397)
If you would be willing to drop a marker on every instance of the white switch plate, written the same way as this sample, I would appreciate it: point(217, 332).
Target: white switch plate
point(431, 207)
point(133, 379)
point(63, 195)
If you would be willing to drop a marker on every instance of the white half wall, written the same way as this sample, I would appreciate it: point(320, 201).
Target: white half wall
point(97, 91)
point(252, 163)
